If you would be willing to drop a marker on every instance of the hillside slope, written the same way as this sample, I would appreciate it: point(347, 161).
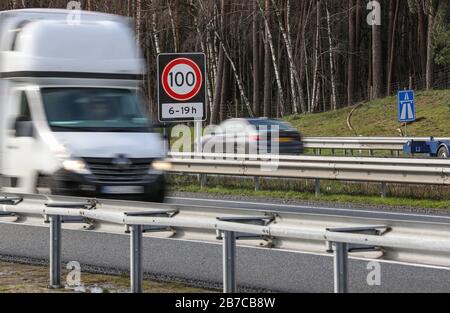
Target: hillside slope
point(379, 118)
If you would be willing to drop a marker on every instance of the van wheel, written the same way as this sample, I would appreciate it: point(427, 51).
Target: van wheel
point(157, 198)
point(161, 196)
point(43, 186)
point(443, 153)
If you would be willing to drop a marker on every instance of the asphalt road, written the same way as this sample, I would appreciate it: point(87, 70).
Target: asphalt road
point(200, 263)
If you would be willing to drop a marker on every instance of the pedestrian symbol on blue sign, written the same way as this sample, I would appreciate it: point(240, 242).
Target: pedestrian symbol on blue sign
point(406, 106)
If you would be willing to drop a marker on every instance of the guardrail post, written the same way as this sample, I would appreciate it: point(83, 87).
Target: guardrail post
point(340, 267)
point(203, 180)
point(55, 252)
point(317, 187)
point(371, 153)
point(136, 258)
point(383, 190)
point(229, 262)
point(257, 183)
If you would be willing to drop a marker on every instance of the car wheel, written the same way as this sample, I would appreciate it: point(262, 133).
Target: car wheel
point(443, 153)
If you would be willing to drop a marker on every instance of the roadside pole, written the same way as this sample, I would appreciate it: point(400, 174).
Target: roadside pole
point(198, 136)
point(198, 125)
point(166, 140)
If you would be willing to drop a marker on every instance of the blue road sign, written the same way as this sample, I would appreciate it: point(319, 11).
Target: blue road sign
point(406, 106)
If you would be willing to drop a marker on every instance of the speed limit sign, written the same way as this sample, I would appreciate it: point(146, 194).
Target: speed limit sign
point(182, 87)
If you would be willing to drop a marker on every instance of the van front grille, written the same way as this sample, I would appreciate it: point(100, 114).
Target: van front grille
point(106, 171)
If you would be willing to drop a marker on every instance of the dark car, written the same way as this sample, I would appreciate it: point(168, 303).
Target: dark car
point(254, 135)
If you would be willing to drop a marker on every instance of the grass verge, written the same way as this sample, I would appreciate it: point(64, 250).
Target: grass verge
point(22, 278)
point(379, 118)
point(420, 197)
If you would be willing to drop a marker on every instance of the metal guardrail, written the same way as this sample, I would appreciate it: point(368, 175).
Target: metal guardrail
point(416, 162)
point(367, 144)
point(393, 144)
point(414, 241)
point(379, 170)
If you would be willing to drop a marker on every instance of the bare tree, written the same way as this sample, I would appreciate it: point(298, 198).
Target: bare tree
point(377, 61)
point(316, 86)
point(274, 59)
point(331, 57)
point(351, 52)
point(267, 67)
point(255, 51)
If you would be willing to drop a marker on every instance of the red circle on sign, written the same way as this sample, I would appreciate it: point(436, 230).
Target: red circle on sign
point(198, 75)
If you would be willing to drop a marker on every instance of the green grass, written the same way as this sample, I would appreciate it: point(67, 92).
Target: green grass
point(23, 278)
point(379, 118)
point(326, 197)
point(408, 196)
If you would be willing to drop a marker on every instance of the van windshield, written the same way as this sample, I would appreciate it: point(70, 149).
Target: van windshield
point(95, 110)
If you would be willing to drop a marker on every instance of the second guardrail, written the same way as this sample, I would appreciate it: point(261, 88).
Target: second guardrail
point(378, 170)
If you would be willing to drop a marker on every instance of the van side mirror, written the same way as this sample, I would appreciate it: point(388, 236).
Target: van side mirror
point(24, 128)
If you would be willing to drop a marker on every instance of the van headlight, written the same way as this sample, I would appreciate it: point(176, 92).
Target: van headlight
point(76, 166)
point(161, 166)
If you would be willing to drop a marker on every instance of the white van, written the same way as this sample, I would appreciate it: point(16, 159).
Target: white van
point(73, 120)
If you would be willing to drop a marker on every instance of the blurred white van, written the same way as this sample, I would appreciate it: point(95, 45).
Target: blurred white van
point(73, 120)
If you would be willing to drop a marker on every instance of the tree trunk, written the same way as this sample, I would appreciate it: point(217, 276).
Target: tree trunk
point(432, 8)
point(351, 53)
point(301, 43)
point(392, 48)
point(422, 36)
point(218, 88)
point(154, 27)
point(358, 62)
point(204, 48)
point(267, 73)
point(331, 57)
point(294, 76)
point(225, 91)
point(219, 75)
point(138, 21)
point(315, 89)
point(256, 78)
point(377, 62)
point(236, 76)
point(173, 25)
point(276, 68)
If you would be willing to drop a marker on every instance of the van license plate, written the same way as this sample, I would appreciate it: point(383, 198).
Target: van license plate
point(122, 190)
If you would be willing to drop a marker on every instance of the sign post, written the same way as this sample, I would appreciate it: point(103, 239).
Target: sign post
point(182, 90)
point(406, 108)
